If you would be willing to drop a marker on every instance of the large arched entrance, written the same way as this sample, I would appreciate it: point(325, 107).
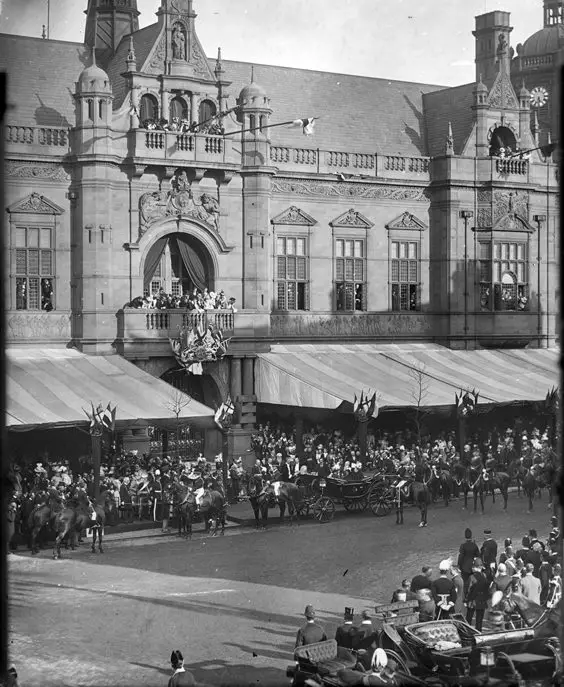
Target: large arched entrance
point(178, 263)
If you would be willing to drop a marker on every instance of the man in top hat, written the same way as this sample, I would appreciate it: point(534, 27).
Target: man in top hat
point(467, 553)
point(489, 554)
point(311, 632)
point(364, 633)
point(345, 632)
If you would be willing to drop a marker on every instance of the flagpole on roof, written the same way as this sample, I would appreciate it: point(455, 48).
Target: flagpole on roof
point(270, 126)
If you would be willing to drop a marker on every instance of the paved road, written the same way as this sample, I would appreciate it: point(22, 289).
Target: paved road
point(232, 604)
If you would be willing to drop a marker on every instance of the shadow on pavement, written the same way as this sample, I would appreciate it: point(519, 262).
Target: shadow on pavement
point(285, 653)
point(238, 675)
point(267, 630)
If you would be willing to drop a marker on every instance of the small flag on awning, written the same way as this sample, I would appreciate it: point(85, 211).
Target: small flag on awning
point(307, 125)
point(224, 411)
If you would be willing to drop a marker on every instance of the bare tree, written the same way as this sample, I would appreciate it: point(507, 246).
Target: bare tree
point(178, 401)
point(419, 393)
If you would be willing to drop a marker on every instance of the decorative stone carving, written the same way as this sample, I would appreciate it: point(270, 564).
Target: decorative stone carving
point(295, 216)
point(35, 170)
point(484, 217)
point(367, 325)
point(513, 222)
point(178, 42)
point(41, 326)
point(36, 204)
point(502, 94)
point(303, 187)
point(484, 195)
point(351, 218)
point(505, 202)
point(407, 221)
point(178, 202)
point(156, 65)
point(198, 59)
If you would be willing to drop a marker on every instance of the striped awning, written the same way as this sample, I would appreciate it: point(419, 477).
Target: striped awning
point(50, 387)
point(325, 376)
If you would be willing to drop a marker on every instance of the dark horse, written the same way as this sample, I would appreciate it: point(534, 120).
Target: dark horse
point(260, 499)
point(472, 479)
point(420, 495)
point(288, 495)
point(499, 480)
point(85, 519)
point(530, 484)
point(212, 508)
point(61, 518)
point(440, 483)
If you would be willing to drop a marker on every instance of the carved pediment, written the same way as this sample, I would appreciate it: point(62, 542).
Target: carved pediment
point(509, 222)
point(36, 204)
point(352, 218)
point(407, 221)
point(294, 216)
point(502, 94)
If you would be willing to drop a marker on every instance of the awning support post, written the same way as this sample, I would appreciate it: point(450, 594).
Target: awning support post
point(362, 434)
point(96, 436)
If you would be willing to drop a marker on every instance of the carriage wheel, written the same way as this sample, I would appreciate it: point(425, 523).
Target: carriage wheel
point(356, 505)
point(380, 503)
point(303, 509)
point(323, 509)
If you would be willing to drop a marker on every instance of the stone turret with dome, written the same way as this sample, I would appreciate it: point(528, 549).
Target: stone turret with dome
point(93, 79)
point(254, 108)
point(94, 98)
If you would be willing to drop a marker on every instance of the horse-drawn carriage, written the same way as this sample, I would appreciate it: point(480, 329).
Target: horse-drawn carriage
point(434, 653)
point(322, 494)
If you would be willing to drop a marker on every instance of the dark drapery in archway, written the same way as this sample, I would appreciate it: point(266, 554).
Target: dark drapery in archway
point(153, 259)
point(192, 262)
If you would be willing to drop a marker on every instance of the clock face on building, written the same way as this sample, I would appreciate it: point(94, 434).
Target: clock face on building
point(539, 96)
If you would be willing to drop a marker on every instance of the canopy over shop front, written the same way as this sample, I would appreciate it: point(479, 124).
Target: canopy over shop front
point(326, 376)
point(49, 388)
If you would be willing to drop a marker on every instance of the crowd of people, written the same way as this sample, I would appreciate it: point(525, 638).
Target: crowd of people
point(198, 301)
point(183, 126)
point(465, 589)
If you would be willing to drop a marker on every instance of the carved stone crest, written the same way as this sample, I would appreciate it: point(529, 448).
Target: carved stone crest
point(407, 221)
point(505, 202)
point(295, 216)
point(502, 94)
point(177, 202)
point(306, 187)
point(156, 65)
point(35, 170)
point(351, 218)
point(36, 204)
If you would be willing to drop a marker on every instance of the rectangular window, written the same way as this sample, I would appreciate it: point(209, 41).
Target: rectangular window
point(503, 277)
point(350, 271)
point(35, 276)
point(292, 282)
point(404, 271)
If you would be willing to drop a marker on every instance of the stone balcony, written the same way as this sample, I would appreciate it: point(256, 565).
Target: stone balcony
point(175, 148)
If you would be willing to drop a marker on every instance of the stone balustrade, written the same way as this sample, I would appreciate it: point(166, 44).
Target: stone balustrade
point(511, 166)
point(155, 322)
point(346, 163)
point(187, 147)
point(39, 136)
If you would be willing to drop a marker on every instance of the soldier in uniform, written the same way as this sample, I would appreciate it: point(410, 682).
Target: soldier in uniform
point(489, 554)
point(478, 595)
point(444, 592)
point(311, 632)
point(345, 632)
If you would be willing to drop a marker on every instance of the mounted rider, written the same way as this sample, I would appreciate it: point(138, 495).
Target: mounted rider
point(197, 479)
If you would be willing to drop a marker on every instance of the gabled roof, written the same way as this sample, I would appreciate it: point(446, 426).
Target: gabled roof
point(356, 112)
point(41, 79)
point(448, 105)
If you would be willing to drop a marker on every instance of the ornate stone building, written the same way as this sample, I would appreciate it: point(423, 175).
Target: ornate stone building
point(404, 219)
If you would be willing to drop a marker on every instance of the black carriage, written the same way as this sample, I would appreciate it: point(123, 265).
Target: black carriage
point(324, 493)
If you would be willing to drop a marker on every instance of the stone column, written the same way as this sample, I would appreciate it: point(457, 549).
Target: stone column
point(193, 114)
point(299, 437)
point(248, 376)
point(235, 387)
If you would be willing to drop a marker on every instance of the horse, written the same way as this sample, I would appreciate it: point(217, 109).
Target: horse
point(259, 498)
point(290, 495)
point(546, 622)
point(60, 517)
point(440, 482)
point(475, 481)
point(516, 471)
point(84, 519)
point(499, 480)
point(213, 507)
point(419, 493)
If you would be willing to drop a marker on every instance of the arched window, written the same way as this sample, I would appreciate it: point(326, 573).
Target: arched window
point(503, 142)
point(252, 122)
point(148, 108)
point(207, 111)
point(178, 108)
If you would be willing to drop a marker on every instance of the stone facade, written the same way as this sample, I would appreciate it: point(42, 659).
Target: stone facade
point(109, 189)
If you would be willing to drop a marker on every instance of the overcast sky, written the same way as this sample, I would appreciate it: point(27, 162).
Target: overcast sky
point(426, 41)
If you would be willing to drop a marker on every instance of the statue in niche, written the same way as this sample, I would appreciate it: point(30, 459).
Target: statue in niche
point(502, 44)
point(178, 43)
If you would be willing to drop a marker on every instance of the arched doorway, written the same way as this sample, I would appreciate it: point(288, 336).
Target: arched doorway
point(503, 142)
point(178, 263)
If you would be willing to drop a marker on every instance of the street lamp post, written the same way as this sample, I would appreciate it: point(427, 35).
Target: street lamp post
point(540, 219)
point(466, 215)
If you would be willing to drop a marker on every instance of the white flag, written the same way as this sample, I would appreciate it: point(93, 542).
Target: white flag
point(307, 125)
